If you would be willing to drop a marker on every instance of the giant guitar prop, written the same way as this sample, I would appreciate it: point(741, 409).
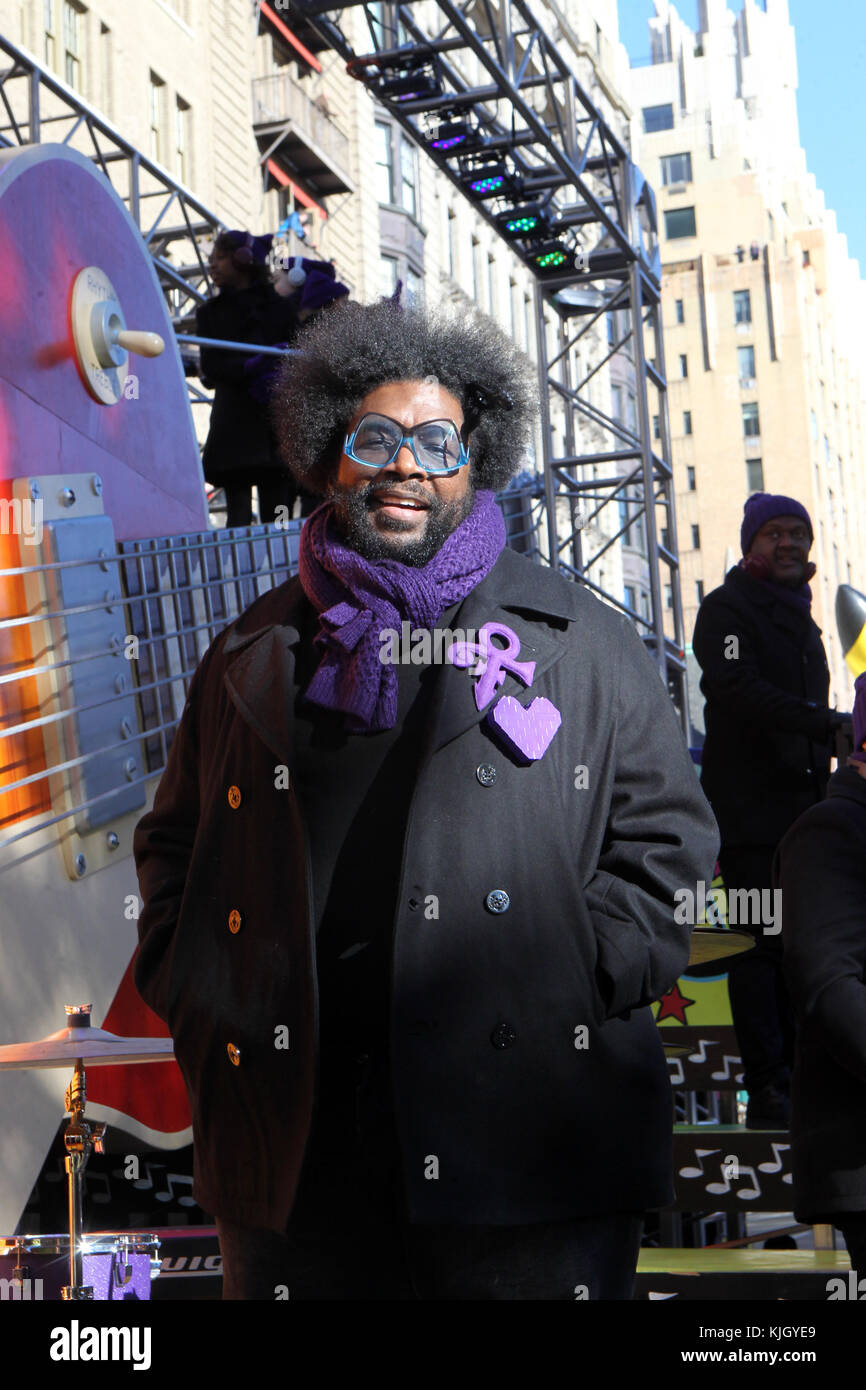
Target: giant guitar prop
point(112, 584)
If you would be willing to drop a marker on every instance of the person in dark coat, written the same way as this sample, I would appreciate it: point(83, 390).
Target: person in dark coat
point(405, 916)
point(765, 760)
point(820, 867)
point(241, 451)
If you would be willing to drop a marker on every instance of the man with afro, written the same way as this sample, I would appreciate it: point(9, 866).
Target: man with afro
point(405, 917)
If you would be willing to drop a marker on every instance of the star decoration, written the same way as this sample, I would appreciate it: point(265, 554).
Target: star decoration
point(673, 1005)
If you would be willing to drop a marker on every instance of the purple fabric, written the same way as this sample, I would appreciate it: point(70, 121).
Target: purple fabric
point(761, 507)
point(859, 717)
point(258, 246)
point(356, 598)
point(320, 289)
point(758, 566)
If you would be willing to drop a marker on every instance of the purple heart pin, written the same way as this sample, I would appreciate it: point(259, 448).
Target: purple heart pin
point(526, 730)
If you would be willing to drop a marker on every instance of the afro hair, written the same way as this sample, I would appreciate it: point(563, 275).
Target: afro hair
point(353, 348)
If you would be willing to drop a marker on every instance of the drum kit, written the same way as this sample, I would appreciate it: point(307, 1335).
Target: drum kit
point(101, 1265)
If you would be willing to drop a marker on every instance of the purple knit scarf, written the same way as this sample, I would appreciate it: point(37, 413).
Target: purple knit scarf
point(356, 598)
point(800, 598)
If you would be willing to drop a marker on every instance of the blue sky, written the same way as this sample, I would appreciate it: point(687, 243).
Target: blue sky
point(831, 96)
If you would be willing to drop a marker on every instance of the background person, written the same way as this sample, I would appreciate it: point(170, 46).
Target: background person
point(241, 451)
point(820, 867)
point(460, 937)
point(765, 760)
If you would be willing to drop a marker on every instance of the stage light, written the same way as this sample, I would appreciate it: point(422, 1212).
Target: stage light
point(551, 256)
point(408, 86)
point(492, 178)
point(449, 134)
point(528, 221)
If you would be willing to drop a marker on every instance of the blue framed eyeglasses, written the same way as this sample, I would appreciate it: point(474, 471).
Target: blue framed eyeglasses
point(436, 445)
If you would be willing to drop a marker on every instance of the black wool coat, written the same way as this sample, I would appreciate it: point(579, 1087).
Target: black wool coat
point(525, 1059)
point(766, 755)
point(240, 437)
point(820, 867)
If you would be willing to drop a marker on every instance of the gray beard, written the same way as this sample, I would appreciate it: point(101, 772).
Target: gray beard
point(359, 531)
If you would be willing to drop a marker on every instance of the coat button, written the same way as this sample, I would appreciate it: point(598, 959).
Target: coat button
point(503, 1035)
point(498, 900)
point(234, 1055)
point(486, 774)
point(234, 797)
point(235, 920)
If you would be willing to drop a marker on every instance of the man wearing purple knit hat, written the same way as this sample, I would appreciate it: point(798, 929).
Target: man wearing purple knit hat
point(765, 760)
point(405, 914)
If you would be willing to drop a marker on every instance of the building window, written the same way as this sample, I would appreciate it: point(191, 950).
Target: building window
point(414, 287)
point(630, 597)
point(157, 91)
point(71, 44)
point(669, 596)
point(617, 394)
point(676, 168)
point(50, 47)
point(696, 537)
point(658, 118)
point(491, 286)
point(408, 177)
point(751, 423)
point(387, 275)
point(512, 308)
point(826, 449)
point(657, 433)
point(754, 475)
point(684, 364)
point(476, 270)
point(452, 243)
point(699, 586)
point(611, 328)
point(690, 480)
point(679, 222)
point(687, 422)
point(527, 322)
point(680, 312)
point(746, 363)
point(742, 306)
point(106, 85)
point(181, 129)
point(384, 175)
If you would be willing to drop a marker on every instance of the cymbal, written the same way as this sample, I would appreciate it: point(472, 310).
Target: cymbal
point(712, 943)
point(94, 1046)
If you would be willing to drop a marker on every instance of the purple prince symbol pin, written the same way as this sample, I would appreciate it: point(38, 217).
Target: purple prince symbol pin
point(525, 730)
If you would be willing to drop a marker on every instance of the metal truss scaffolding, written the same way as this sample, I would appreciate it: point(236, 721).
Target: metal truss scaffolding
point(484, 90)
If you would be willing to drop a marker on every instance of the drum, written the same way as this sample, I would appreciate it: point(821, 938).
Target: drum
point(116, 1265)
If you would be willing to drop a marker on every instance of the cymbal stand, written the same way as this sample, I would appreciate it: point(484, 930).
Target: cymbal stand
point(80, 1137)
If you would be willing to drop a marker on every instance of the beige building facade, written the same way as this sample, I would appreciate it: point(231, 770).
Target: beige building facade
point(762, 304)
